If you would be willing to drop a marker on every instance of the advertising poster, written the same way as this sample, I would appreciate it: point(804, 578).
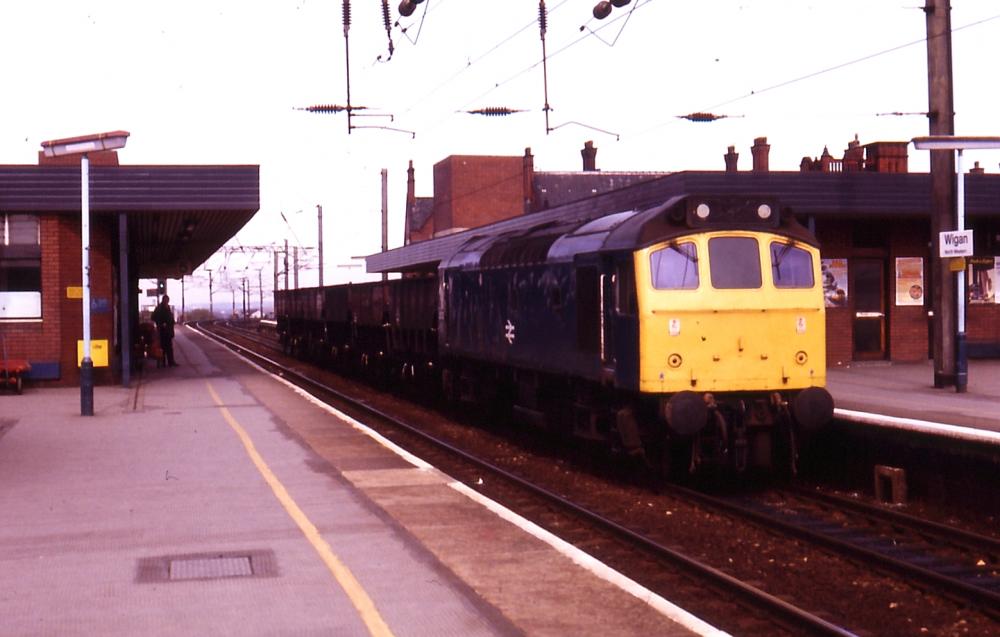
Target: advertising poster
point(835, 282)
point(982, 279)
point(909, 281)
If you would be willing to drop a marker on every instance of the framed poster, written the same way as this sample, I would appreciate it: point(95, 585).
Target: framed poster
point(982, 279)
point(834, 272)
point(909, 281)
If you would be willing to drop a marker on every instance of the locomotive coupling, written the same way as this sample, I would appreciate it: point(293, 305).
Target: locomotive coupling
point(813, 408)
point(686, 413)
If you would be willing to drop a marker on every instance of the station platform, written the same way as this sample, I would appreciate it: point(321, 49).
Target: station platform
point(903, 395)
point(215, 499)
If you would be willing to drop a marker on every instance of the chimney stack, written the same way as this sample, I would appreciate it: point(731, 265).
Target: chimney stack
point(589, 154)
point(760, 149)
point(977, 170)
point(731, 158)
point(528, 180)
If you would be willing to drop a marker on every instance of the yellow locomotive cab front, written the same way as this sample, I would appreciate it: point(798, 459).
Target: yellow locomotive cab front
point(730, 311)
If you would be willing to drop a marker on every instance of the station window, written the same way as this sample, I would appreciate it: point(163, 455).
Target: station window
point(734, 263)
point(20, 267)
point(675, 267)
point(791, 266)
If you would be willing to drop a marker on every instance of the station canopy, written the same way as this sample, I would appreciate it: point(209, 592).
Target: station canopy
point(177, 216)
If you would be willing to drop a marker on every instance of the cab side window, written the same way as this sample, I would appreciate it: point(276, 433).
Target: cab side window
point(675, 267)
point(791, 266)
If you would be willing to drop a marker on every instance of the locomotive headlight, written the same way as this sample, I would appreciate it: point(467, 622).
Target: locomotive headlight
point(702, 211)
point(764, 211)
point(801, 358)
point(674, 360)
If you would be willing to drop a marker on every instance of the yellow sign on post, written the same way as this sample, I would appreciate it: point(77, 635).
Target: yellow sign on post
point(98, 352)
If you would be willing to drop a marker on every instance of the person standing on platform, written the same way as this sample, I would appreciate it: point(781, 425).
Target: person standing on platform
point(163, 316)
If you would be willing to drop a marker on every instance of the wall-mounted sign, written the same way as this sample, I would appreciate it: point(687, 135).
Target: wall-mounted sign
point(984, 274)
point(74, 292)
point(835, 282)
point(956, 243)
point(909, 281)
point(98, 352)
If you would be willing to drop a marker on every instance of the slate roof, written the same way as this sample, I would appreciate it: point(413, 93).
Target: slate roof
point(853, 195)
point(177, 215)
point(553, 189)
point(423, 208)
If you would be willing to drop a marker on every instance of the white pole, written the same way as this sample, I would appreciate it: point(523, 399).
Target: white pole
point(960, 225)
point(961, 353)
point(87, 364)
point(85, 251)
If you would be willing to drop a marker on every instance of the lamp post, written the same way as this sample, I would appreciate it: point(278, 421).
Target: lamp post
point(958, 144)
point(81, 146)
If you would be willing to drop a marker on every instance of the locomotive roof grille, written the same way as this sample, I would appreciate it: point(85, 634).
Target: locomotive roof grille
point(553, 240)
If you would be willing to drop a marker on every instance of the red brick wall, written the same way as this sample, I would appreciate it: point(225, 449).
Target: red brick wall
point(101, 277)
point(471, 191)
point(982, 324)
point(54, 338)
point(444, 181)
point(907, 324)
point(39, 341)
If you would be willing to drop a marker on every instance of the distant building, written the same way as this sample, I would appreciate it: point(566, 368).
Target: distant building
point(474, 190)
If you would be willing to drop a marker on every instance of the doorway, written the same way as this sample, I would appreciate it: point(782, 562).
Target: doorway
point(868, 290)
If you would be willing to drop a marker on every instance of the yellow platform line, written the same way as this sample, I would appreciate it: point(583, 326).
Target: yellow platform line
point(362, 602)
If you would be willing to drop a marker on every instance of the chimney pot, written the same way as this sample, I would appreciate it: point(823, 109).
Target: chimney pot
point(589, 154)
point(731, 158)
point(760, 150)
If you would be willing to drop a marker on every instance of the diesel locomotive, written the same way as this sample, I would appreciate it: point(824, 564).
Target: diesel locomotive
point(692, 332)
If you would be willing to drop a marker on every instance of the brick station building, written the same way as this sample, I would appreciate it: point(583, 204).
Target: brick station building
point(156, 222)
point(871, 215)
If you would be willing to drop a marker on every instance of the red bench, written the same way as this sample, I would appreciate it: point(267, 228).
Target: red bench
point(12, 373)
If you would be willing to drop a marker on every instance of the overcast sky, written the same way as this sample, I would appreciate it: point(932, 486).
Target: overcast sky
point(219, 81)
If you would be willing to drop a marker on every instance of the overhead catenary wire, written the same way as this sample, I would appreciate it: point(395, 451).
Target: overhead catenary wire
point(627, 15)
point(829, 69)
point(472, 62)
point(535, 65)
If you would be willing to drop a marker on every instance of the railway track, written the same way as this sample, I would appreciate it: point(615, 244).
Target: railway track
point(768, 615)
point(826, 524)
point(962, 565)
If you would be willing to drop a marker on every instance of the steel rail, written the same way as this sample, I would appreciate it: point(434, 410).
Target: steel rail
point(985, 598)
point(943, 532)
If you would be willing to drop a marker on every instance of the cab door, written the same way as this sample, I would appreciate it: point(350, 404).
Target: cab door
point(869, 324)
